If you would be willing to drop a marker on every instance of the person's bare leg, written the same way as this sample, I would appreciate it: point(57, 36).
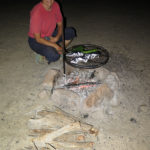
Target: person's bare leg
point(67, 42)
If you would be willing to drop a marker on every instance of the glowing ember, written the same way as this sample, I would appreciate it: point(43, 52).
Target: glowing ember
point(82, 83)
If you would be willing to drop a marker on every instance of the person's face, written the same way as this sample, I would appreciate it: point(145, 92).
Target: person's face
point(48, 3)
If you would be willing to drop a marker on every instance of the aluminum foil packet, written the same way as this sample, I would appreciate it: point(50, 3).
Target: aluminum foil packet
point(84, 58)
point(78, 54)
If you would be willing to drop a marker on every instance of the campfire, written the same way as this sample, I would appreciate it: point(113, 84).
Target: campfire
point(81, 89)
point(77, 91)
point(81, 83)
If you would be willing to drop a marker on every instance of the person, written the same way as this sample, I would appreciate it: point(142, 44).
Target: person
point(46, 28)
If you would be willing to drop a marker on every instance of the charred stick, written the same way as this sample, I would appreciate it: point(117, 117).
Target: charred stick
point(63, 46)
point(71, 85)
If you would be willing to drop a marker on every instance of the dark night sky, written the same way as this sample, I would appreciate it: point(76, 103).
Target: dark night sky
point(112, 2)
point(126, 7)
point(130, 5)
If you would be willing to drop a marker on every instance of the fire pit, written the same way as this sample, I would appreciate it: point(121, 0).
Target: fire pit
point(82, 88)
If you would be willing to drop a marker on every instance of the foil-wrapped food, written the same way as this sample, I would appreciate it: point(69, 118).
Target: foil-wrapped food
point(81, 57)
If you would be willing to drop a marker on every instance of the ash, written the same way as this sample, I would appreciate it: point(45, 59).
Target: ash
point(77, 82)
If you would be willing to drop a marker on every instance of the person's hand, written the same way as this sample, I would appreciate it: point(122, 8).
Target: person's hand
point(53, 39)
point(59, 49)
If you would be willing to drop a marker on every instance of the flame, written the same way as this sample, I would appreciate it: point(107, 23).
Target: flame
point(76, 81)
point(83, 86)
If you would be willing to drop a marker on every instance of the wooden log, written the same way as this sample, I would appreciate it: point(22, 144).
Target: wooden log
point(84, 126)
point(51, 120)
point(39, 132)
point(49, 137)
point(71, 145)
point(58, 115)
point(43, 123)
point(72, 137)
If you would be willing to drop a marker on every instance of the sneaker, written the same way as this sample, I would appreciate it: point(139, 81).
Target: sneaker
point(39, 59)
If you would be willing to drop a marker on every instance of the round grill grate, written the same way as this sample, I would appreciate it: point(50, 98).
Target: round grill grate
point(86, 56)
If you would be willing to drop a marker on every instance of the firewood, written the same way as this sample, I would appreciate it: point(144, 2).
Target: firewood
point(38, 132)
point(49, 137)
point(72, 137)
point(43, 123)
point(56, 120)
point(71, 145)
point(59, 129)
point(84, 126)
point(51, 120)
point(58, 114)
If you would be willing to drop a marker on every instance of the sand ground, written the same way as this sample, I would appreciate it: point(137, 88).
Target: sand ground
point(124, 31)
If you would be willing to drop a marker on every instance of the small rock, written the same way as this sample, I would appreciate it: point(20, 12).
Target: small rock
point(3, 119)
point(49, 79)
point(85, 116)
point(101, 73)
point(103, 92)
point(133, 120)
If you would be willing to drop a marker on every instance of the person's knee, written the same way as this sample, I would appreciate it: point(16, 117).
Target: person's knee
point(52, 55)
point(71, 33)
point(53, 59)
point(56, 57)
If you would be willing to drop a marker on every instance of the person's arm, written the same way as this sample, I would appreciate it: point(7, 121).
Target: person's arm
point(41, 40)
point(59, 32)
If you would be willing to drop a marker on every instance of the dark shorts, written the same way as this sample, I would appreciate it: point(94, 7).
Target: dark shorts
point(49, 52)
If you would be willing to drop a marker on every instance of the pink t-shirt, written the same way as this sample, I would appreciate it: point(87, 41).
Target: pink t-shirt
point(43, 21)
